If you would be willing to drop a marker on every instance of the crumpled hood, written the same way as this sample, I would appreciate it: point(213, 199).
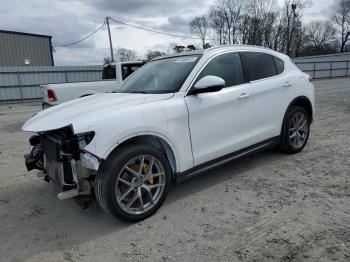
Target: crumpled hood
point(81, 109)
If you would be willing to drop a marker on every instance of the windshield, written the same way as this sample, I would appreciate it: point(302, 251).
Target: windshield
point(160, 76)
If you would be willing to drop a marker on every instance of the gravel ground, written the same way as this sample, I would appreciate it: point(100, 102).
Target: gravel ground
point(266, 207)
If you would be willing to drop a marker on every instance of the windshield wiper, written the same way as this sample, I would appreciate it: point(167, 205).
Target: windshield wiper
point(130, 92)
point(137, 92)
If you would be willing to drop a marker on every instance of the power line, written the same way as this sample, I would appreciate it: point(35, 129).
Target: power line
point(130, 25)
point(154, 31)
point(84, 38)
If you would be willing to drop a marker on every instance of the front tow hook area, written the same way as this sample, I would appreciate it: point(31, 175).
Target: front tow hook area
point(31, 162)
point(35, 159)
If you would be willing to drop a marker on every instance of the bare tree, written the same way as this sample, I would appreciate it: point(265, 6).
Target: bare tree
point(225, 18)
point(192, 47)
point(124, 54)
point(287, 14)
point(153, 54)
point(260, 19)
point(342, 19)
point(107, 60)
point(217, 23)
point(178, 48)
point(199, 26)
point(320, 33)
point(302, 41)
point(263, 23)
point(256, 22)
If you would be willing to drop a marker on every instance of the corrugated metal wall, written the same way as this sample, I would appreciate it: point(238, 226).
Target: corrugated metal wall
point(324, 58)
point(324, 69)
point(325, 66)
point(15, 48)
point(23, 83)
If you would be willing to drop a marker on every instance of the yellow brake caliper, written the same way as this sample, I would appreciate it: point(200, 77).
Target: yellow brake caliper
point(150, 180)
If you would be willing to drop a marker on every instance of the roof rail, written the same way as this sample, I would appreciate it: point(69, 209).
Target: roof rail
point(237, 45)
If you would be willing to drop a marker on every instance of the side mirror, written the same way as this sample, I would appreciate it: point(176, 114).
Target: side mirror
point(208, 84)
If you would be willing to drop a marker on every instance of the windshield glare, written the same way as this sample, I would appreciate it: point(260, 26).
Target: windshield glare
point(160, 76)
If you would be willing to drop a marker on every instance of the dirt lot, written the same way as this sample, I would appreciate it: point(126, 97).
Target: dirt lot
point(267, 207)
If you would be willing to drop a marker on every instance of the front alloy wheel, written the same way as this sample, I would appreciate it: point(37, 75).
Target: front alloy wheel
point(133, 182)
point(140, 184)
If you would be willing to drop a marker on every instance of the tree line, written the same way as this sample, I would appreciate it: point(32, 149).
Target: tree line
point(265, 23)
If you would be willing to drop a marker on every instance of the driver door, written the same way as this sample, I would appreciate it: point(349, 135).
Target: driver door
point(221, 122)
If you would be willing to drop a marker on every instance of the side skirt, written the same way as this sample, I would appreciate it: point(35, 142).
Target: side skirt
point(223, 160)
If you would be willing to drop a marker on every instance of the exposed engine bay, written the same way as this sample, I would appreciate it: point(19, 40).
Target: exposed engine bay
point(60, 155)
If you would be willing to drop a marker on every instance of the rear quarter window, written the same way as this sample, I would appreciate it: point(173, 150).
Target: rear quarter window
point(279, 65)
point(259, 65)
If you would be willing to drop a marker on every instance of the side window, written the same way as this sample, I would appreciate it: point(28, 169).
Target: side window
point(129, 69)
point(259, 65)
point(227, 66)
point(108, 72)
point(279, 65)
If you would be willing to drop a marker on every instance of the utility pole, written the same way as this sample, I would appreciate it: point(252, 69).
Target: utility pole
point(293, 36)
point(110, 39)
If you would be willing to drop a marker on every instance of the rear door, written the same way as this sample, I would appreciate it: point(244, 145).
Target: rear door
point(221, 122)
point(270, 84)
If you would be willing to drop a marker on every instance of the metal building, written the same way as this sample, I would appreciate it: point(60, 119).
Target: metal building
point(25, 49)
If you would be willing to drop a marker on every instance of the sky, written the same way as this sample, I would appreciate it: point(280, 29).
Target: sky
point(69, 20)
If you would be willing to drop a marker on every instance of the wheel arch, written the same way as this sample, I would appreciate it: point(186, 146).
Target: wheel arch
point(303, 102)
point(153, 140)
point(300, 101)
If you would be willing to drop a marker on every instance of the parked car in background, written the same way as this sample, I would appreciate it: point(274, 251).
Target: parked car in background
point(175, 117)
point(112, 76)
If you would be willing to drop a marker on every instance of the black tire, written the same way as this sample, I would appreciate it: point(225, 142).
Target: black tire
point(286, 144)
point(106, 180)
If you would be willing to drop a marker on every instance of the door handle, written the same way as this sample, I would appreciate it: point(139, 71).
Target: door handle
point(244, 96)
point(287, 84)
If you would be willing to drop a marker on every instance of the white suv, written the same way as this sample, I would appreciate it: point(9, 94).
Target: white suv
point(175, 117)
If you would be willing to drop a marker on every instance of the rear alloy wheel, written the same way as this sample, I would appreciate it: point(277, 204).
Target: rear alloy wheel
point(134, 182)
point(298, 129)
point(295, 131)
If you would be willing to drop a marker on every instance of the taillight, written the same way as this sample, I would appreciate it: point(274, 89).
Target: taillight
point(51, 95)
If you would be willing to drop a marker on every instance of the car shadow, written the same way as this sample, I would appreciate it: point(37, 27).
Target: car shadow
point(229, 171)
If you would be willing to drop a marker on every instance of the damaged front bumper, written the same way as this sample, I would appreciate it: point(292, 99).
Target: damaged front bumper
point(60, 155)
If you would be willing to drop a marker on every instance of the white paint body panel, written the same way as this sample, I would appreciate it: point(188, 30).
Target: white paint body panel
point(197, 128)
point(220, 123)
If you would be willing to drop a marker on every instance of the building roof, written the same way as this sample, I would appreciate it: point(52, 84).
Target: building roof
point(22, 33)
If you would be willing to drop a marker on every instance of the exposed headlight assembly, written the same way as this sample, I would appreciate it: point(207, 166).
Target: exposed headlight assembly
point(90, 161)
